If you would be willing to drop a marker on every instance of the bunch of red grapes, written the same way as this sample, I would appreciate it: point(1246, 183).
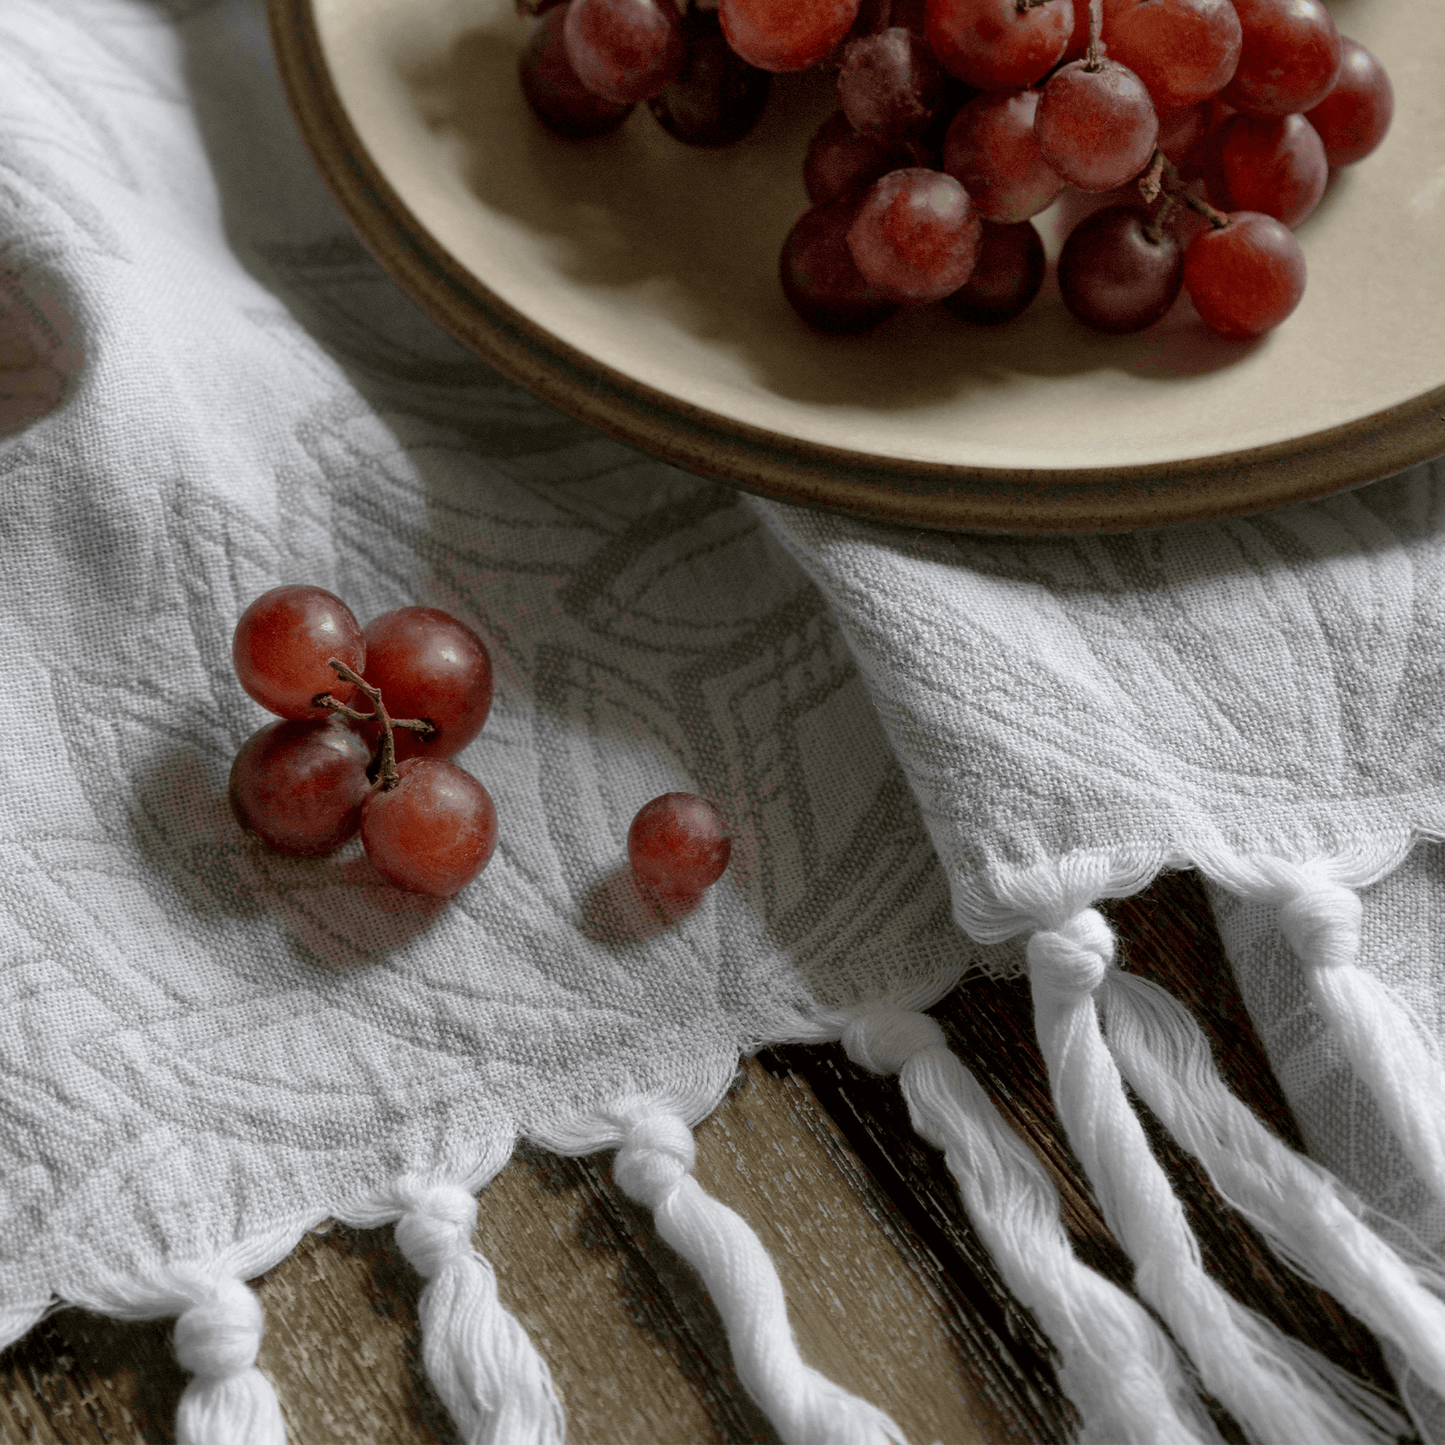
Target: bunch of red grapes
point(330, 769)
point(959, 120)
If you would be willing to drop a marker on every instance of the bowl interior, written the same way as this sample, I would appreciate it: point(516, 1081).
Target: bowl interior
point(660, 261)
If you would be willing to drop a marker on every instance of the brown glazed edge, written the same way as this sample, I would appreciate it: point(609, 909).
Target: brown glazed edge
point(915, 494)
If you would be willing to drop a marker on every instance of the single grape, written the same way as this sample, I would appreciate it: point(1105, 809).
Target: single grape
point(434, 831)
point(282, 644)
point(991, 151)
point(994, 44)
point(678, 844)
point(300, 785)
point(554, 91)
point(1353, 118)
point(623, 50)
point(820, 278)
point(1115, 275)
point(429, 665)
point(839, 161)
point(889, 84)
point(1276, 166)
point(1096, 127)
point(1289, 57)
point(915, 237)
point(786, 34)
point(717, 97)
point(1246, 276)
point(1006, 277)
point(1183, 50)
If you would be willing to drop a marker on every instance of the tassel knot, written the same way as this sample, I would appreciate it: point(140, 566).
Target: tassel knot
point(1073, 958)
point(884, 1038)
point(228, 1401)
point(1322, 924)
point(219, 1336)
point(656, 1156)
point(437, 1227)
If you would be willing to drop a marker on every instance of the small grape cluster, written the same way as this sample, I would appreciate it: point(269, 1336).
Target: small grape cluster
point(329, 770)
point(959, 120)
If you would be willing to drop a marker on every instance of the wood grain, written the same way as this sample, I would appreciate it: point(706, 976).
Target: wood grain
point(889, 1290)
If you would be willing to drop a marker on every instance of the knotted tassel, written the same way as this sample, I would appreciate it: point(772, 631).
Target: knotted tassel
point(1297, 1205)
point(228, 1401)
point(653, 1166)
point(1384, 1044)
point(1276, 1389)
point(486, 1370)
point(1117, 1366)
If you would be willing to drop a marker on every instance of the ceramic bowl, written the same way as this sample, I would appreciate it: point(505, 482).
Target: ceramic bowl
point(633, 281)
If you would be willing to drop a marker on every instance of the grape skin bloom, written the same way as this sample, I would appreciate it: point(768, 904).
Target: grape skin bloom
point(678, 844)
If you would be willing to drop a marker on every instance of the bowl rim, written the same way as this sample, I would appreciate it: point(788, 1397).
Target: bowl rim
point(912, 493)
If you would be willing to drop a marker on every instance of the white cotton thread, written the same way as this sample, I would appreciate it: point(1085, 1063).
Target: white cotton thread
point(486, 1370)
point(1116, 1365)
point(1383, 1042)
point(1297, 1205)
point(1276, 1389)
point(653, 1166)
point(227, 1401)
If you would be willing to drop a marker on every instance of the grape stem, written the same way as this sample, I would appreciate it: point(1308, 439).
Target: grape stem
point(1091, 58)
point(1164, 175)
point(413, 724)
point(1151, 183)
point(387, 776)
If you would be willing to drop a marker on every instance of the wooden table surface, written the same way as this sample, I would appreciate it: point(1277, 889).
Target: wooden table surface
point(889, 1291)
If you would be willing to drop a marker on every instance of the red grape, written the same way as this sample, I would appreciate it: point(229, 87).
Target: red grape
point(1114, 275)
point(717, 97)
point(786, 34)
point(1006, 277)
point(552, 88)
point(678, 844)
point(1353, 118)
point(282, 644)
point(839, 160)
point(301, 785)
point(1245, 277)
point(991, 151)
point(623, 50)
point(889, 84)
point(820, 278)
point(434, 831)
point(1183, 50)
point(1097, 127)
point(1274, 166)
point(996, 46)
point(1289, 57)
point(915, 236)
point(429, 665)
